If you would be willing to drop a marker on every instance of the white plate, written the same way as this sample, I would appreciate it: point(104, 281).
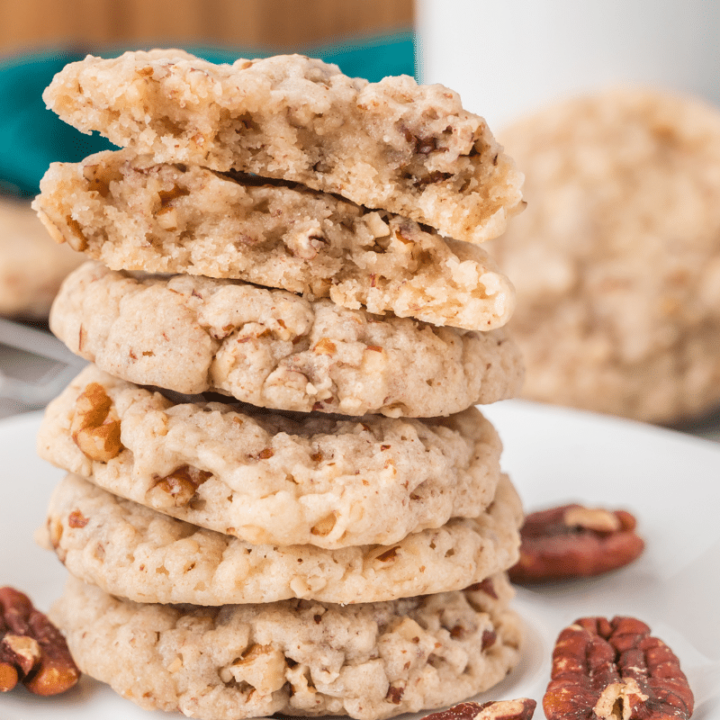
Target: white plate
point(670, 481)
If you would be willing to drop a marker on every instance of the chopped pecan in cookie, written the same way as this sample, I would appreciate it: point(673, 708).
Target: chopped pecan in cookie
point(520, 709)
point(95, 427)
point(179, 487)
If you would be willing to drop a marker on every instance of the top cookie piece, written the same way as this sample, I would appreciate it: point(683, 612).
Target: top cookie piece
point(407, 148)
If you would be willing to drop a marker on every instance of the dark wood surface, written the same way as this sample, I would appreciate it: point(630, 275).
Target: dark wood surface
point(273, 24)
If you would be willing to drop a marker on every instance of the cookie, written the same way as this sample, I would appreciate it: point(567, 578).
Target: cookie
point(295, 657)
point(275, 349)
point(137, 553)
point(131, 214)
point(617, 259)
point(407, 148)
point(317, 479)
point(31, 267)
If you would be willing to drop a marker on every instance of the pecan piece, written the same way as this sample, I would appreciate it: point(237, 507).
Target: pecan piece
point(485, 586)
point(574, 541)
point(431, 178)
point(95, 426)
point(179, 487)
point(262, 667)
point(76, 238)
point(32, 649)
point(520, 709)
point(615, 670)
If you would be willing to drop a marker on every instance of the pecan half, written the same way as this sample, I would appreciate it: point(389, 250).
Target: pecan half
point(32, 649)
point(520, 709)
point(574, 541)
point(615, 670)
point(95, 426)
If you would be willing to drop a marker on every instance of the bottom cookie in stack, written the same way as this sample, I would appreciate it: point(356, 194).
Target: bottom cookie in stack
point(298, 657)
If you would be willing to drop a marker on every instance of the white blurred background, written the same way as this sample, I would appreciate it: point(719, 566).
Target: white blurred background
point(512, 57)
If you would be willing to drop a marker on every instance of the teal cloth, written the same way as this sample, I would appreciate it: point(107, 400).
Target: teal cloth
point(31, 137)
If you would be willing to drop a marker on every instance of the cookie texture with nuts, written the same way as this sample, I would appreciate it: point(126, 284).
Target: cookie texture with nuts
point(407, 148)
point(132, 214)
point(137, 553)
point(300, 657)
point(275, 349)
point(617, 259)
point(610, 669)
point(266, 478)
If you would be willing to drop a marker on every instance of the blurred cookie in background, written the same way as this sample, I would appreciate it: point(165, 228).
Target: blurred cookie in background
point(32, 266)
point(616, 259)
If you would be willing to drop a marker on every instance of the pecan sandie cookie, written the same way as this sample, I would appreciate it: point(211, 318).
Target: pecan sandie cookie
point(134, 552)
point(274, 349)
point(133, 214)
point(617, 259)
point(407, 148)
point(296, 657)
point(313, 479)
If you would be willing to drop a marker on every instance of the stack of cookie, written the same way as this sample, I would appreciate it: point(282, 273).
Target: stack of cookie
point(281, 498)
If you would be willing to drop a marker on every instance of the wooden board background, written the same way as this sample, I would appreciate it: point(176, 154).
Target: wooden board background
point(273, 24)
